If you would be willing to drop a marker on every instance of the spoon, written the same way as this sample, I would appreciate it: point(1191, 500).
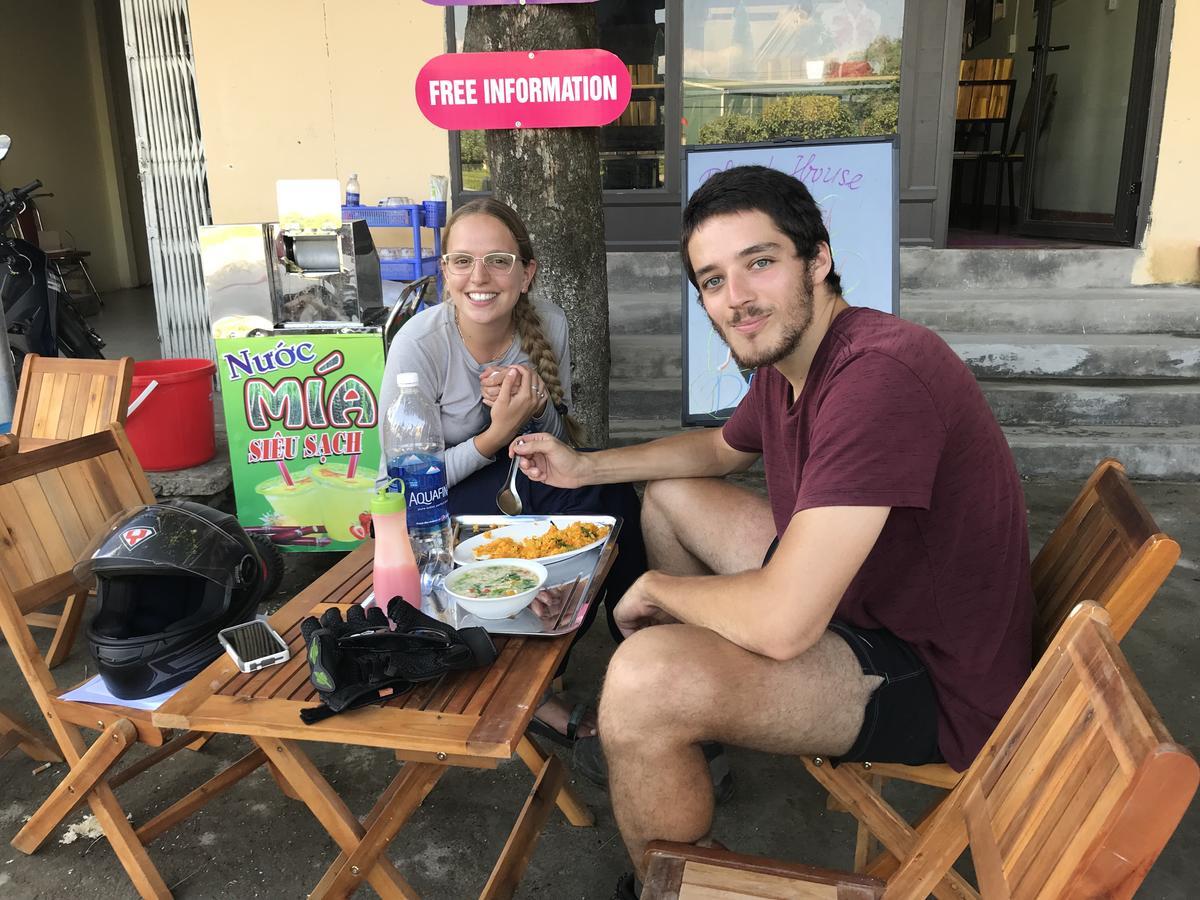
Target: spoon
point(508, 501)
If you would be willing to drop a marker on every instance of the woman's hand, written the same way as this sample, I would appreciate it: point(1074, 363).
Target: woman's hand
point(491, 381)
point(515, 405)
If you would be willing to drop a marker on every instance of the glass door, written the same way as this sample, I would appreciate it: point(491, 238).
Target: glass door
point(1092, 62)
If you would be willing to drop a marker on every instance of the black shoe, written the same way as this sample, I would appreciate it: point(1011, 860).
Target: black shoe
point(588, 760)
point(625, 889)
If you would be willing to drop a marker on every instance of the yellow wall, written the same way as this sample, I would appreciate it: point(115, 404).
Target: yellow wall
point(314, 89)
point(55, 104)
point(1171, 248)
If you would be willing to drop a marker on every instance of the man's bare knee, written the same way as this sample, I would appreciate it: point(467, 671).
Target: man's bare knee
point(657, 682)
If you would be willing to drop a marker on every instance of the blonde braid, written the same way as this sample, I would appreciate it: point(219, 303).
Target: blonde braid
point(537, 348)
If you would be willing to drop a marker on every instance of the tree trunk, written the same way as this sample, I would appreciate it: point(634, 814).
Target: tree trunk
point(551, 177)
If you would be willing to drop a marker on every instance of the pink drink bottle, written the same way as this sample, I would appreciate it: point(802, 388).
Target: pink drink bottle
point(395, 573)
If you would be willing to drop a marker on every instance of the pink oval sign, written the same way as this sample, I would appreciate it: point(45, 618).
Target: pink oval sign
point(534, 89)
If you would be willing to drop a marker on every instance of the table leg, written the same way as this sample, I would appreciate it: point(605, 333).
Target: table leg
point(518, 849)
point(572, 807)
point(392, 810)
point(332, 812)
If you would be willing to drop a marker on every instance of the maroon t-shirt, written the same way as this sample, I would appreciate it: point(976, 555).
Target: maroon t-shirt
point(890, 416)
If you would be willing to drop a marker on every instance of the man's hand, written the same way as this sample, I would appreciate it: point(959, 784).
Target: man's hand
point(547, 459)
point(637, 610)
point(490, 380)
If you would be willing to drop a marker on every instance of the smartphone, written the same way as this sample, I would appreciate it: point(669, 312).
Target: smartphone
point(253, 645)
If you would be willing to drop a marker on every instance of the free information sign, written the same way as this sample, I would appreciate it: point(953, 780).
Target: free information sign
point(534, 89)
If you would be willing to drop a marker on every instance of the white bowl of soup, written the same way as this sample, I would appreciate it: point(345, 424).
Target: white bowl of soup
point(495, 588)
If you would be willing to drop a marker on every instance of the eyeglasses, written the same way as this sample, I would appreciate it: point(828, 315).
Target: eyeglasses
point(464, 263)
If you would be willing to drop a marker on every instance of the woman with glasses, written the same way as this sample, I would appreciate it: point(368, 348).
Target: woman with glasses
point(497, 364)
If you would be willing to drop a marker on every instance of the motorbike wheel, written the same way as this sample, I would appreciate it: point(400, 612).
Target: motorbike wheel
point(75, 337)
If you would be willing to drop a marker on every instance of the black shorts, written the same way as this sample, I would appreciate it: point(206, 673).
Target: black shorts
point(900, 724)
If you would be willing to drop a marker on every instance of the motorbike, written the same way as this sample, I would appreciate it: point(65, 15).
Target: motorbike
point(39, 314)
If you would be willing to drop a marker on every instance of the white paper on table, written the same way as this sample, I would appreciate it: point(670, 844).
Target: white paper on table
point(95, 691)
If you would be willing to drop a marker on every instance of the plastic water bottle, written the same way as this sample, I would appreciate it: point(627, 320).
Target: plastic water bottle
point(415, 454)
point(353, 195)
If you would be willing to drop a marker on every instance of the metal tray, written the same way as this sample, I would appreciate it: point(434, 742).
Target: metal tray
point(574, 574)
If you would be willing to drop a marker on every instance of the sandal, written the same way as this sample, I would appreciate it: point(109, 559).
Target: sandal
point(546, 730)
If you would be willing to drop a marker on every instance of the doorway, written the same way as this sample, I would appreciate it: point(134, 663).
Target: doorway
point(1051, 122)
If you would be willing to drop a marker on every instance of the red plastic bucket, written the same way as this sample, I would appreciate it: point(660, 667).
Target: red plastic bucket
point(170, 420)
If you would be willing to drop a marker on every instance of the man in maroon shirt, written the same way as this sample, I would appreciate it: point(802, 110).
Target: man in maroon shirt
point(891, 617)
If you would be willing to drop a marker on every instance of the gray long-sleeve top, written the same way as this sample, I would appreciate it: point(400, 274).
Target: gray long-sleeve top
point(430, 345)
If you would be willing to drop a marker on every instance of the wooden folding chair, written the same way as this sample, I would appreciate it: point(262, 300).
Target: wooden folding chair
point(1106, 549)
point(1073, 796)
point(53, 500)
point(59, 399)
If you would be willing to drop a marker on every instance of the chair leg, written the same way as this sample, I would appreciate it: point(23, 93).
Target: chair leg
point(91, 768)
point(68, 628)
point(999, 189)
point(864, 844)
point(131, 852)
point(24, 738)
point(977, 211)
point(1012, 203)
point(87, 276)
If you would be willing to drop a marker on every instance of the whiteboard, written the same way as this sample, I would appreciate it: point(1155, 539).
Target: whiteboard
point(853, 181)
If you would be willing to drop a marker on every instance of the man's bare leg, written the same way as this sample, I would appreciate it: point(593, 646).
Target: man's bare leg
point(670, 687)
point(701, 526)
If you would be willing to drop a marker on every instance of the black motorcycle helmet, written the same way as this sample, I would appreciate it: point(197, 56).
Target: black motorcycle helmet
point(169, 576)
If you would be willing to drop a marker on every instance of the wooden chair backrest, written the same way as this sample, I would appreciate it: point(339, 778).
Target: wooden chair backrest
point(1107, 549)
point(990, 100)
point(53, 501)
point(59, 399)
point(1075, 793)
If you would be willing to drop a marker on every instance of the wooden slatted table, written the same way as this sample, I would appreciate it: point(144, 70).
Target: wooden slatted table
point(475, 718)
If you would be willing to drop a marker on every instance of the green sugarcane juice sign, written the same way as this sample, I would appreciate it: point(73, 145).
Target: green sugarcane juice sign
point(302, 415)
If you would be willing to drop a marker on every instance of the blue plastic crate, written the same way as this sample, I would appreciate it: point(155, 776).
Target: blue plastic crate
point(384, 216)
point(407, 268)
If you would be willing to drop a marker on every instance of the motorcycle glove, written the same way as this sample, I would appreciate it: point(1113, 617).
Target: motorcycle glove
point(362, 660)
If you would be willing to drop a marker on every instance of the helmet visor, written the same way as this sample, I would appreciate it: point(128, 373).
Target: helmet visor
point(162, 539)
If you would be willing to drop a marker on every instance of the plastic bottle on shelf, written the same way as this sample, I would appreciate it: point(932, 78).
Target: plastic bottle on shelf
point(353, 194)
point(415, 454)
point(395, 572)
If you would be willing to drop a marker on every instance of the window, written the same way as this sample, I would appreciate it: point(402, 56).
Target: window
point(760, 69)
point(632, 148)
point(722, 71)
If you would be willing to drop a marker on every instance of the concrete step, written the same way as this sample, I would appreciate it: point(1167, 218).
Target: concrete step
point(1115, 356)
point(1149, 454)
point(651, 312)
point(1049, 404)
point(924, 268)
point(639, 273)
point(646, 398)
point(1130, 310)
point(646, 355)
point(1122, 310)
point(1014, 269)
point(1053, 404)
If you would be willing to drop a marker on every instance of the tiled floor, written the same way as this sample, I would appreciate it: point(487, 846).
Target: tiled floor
point(128, 324)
